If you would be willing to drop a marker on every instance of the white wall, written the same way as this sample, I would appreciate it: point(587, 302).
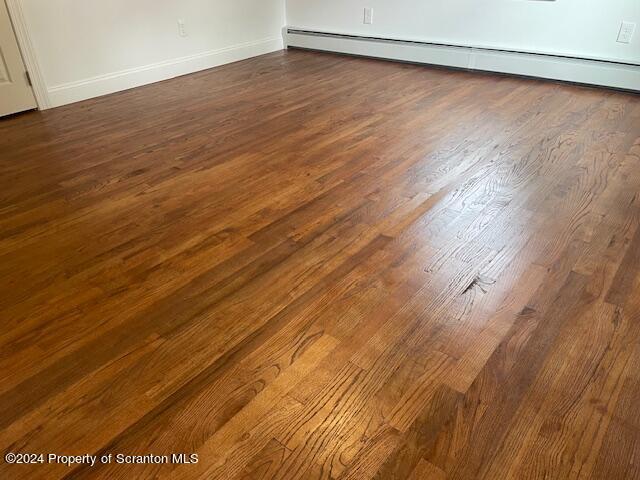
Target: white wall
point(87, 48)
point(581, 28)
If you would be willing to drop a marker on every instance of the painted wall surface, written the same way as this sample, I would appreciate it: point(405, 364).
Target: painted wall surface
point(80, 39)
point(581, 28)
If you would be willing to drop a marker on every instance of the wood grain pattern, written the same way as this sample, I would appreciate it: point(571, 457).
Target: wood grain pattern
point(293, 270)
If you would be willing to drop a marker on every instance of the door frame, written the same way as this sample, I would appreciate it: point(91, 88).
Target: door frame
point(16, 14)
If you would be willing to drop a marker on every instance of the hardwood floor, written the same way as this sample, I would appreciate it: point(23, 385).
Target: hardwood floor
point(312, 266)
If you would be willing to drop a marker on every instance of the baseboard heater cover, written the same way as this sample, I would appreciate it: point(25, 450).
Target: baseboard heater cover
point(618, 75)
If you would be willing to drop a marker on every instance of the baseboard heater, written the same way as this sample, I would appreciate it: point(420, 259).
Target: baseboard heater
point(619, 75)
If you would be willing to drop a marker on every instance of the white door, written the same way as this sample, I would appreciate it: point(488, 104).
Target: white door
point(16, 94)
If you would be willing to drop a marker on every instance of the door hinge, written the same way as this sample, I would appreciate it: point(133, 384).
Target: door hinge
point(28, 78)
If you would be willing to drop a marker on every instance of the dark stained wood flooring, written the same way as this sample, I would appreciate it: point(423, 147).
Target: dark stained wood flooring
point(307, 266)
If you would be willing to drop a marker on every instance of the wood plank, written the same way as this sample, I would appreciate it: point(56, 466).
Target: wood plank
point(262, 264)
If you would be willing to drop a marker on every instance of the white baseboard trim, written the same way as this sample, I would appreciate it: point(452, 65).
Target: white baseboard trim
point(135, 77)
point(590, 72)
